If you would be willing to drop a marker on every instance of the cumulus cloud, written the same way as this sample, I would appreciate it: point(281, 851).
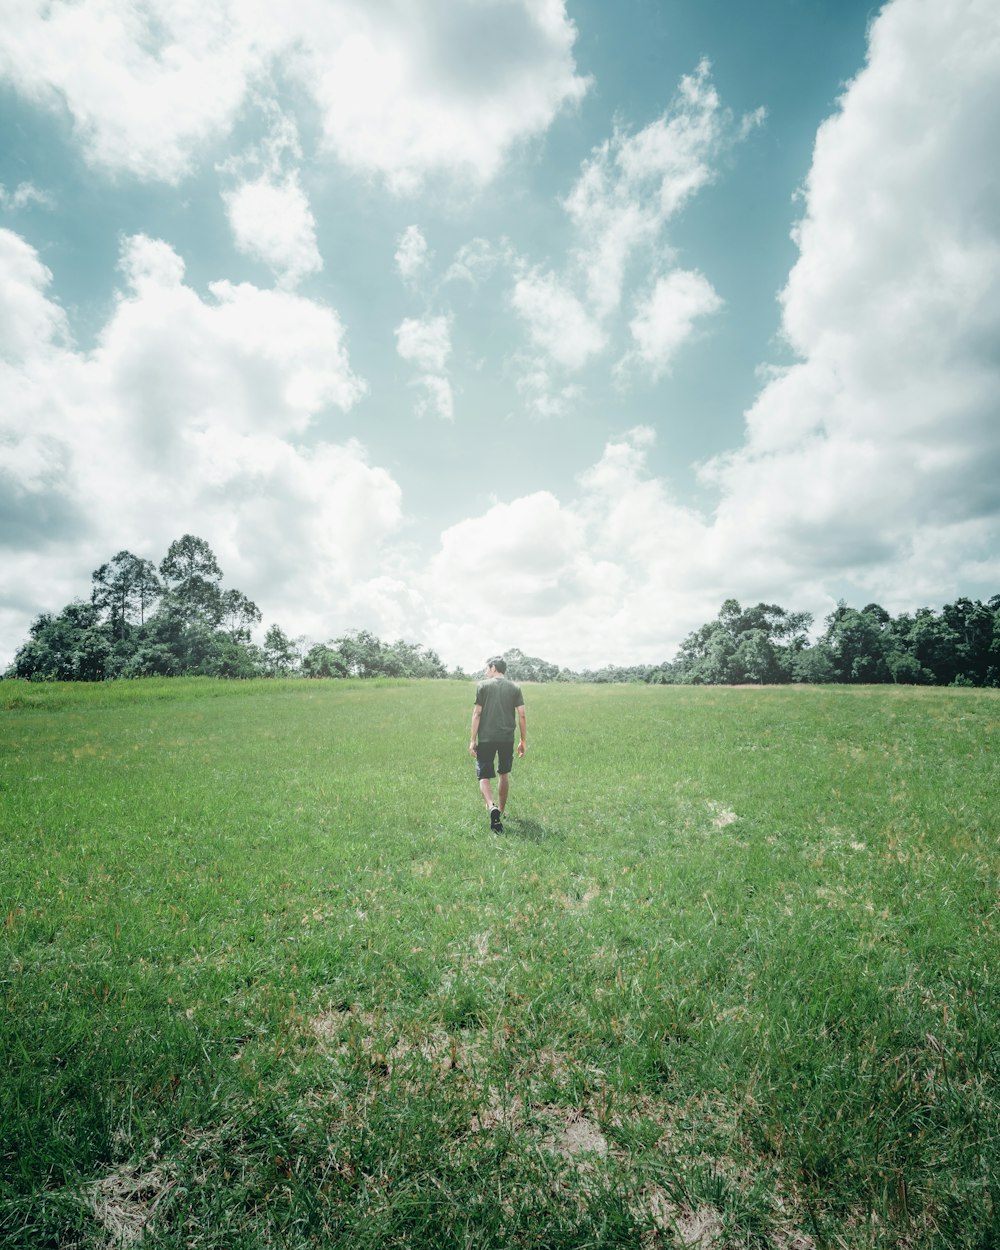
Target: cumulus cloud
point(426, 344)
point(272, 222)
point(268, 211)
point(27, 317)
point(190, 414)
point(885, 429)
point(403, 91)
point(557, 321)
point(147, 85)
point(665, 319)
point(611, 581)
point(873, 461)
point(245, 359)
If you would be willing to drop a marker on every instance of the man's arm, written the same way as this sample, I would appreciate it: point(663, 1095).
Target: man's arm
point(477, 711)
point(522, 746)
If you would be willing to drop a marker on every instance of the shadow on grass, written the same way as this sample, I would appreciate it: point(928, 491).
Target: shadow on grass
point(527, 830)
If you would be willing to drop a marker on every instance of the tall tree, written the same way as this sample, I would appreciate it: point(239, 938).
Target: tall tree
point(323, 661)
point(860, 642)
point(361, 652)
point(976, 627)
point(125, 587)
point(279, 652)
point(756, 644)
point(238, 614)
point(192, 575)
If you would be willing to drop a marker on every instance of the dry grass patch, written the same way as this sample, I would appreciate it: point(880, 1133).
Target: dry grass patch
point(125, 1201)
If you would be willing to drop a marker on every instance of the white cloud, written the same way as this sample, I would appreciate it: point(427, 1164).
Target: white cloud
point(411, 254)
point(542, 394)
point(410, 90)
point(874, 461)
point(438, 399)
point(189, 415)
point(269, 212)
point(403, 90)
point(474, 262)
point(619, 208)
point(538, 579)
point(24, 193)
point(272, 221)
point(634, 184)
point(665, 319)
point(147, 84)
point(885, 431)
point(250, 358)
point(150, 263)
point(615, 580)
point(427, 345)
point(557, 320)
point(27, 318)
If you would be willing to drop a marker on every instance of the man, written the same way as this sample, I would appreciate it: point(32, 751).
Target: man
point(492, 745)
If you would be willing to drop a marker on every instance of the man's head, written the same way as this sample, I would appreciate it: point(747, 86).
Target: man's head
point(497, 664)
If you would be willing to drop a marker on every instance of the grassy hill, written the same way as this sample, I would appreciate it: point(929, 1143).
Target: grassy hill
point(729, 978)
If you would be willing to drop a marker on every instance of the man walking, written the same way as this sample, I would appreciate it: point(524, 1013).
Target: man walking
point(498, 699)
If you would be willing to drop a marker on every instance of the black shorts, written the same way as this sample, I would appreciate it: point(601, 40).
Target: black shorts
point(488, 753)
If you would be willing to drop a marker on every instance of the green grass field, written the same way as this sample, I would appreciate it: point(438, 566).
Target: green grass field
point(730, 978)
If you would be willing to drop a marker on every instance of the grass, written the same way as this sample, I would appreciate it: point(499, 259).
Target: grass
point(728, 979)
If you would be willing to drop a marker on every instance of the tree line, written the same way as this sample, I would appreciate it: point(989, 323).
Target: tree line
point(175, 618)
point(766, 644)
point(956, 646)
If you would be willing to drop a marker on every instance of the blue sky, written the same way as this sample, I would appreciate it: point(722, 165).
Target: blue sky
point(491, 323)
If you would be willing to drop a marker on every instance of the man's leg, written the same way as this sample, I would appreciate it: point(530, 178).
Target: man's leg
point(485, 759)
point(505, 762)
point(503, 789)
point(486, 790)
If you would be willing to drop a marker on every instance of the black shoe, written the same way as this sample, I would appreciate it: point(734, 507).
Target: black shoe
point(495, 823)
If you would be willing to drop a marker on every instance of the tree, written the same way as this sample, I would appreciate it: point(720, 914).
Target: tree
point(929, 644)
point(361, 653)
point(815, 665)
point(73, 645)
point(280, 656)
point(323, 661)
point(238, 613)
point(976, 627)
point(755, 644)
point(521, 667)
point(755, 659)
point(906, 669)
point(125, 587)
point(859, 642)
point(192, 575)
point(410, 659)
